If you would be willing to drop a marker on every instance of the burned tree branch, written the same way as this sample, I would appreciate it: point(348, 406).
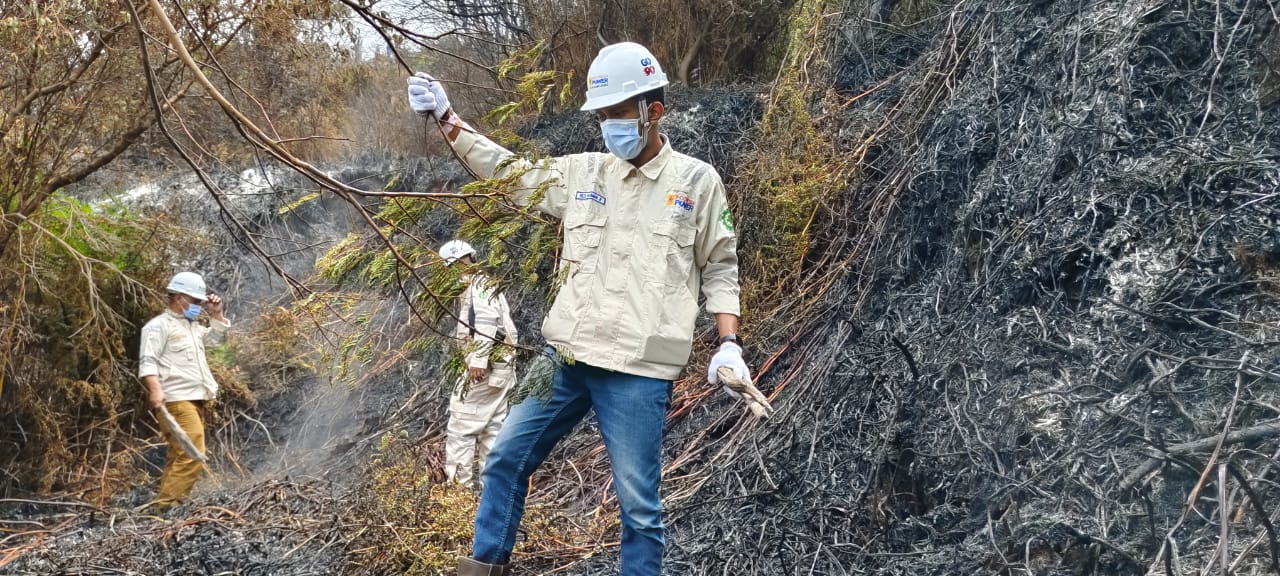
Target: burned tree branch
point(1250, 435)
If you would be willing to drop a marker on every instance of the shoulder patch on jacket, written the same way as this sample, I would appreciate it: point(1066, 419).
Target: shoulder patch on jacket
point(592, 196)
point(155, 326)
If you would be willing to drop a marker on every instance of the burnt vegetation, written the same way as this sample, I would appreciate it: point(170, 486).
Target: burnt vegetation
point(1011, 281)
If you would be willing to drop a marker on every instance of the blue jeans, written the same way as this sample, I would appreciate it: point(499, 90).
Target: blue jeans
point(631, 411)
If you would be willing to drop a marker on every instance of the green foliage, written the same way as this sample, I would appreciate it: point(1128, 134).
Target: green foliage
point(538, 377)
point(419, 344)
point(224, 353)
point(502, 113)
point(787, 184)
point(325, 350)
point(514, 241)
point(290, 207)
point(381, 269)
point(404, 210)
point(797, 38)
point(518, 60)
point(423, 526)
point(454, 369)
point(348, 352)
point(344, 257)
point(415, 524)
point(75, 289)
point(567, 93)
point(533, 88)
point(271, 349)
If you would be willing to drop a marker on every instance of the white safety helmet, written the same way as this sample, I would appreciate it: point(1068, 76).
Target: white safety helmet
point(188, 283)
point(455, 249)
point(620, 72)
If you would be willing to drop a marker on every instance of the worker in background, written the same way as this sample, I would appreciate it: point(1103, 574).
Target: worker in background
point(172, 366)
point(478, 405)
point(645, 228)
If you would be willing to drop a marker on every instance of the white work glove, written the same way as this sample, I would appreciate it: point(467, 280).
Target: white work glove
point(729, 356)
point(729, 361)
point(426, 96)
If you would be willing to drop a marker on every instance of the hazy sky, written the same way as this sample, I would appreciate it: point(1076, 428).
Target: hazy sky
point(406, 13)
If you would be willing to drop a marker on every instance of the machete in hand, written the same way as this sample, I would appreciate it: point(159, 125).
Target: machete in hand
point(181, 435)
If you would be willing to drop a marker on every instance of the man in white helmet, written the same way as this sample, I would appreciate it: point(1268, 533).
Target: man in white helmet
point(646, 229)
point(173, 367)
point(478, 405)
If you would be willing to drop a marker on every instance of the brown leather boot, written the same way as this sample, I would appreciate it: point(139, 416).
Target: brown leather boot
point(469, 567)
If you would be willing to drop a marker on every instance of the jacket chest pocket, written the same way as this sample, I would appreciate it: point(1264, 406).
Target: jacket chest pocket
point(671, 246)
point(182, 346)
point(583, 234)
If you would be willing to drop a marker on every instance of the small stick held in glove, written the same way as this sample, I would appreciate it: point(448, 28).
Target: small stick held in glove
point(755, 399)
point(181, 435)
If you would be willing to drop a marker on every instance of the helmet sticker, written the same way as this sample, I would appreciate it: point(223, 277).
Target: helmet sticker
point(598, 81)
point(649, 68)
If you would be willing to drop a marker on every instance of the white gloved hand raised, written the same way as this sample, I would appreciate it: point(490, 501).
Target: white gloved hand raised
point(427, 96)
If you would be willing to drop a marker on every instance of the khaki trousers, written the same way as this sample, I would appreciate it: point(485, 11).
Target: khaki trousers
point(474, 423)
point(180, 470)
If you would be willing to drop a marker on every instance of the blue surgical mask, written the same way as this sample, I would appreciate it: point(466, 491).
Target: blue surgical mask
point(192, 312)
point(622, 138)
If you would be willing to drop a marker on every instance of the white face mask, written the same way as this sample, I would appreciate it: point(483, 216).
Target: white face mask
point(625, 138)
point(622, 138)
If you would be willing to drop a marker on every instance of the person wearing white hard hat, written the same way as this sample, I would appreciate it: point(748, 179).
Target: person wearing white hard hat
point(174, 369)
point(646, 229)
point(478, 404)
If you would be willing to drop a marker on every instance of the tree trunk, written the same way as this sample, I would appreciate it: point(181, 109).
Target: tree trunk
point(692, 53)
point(7, 229)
